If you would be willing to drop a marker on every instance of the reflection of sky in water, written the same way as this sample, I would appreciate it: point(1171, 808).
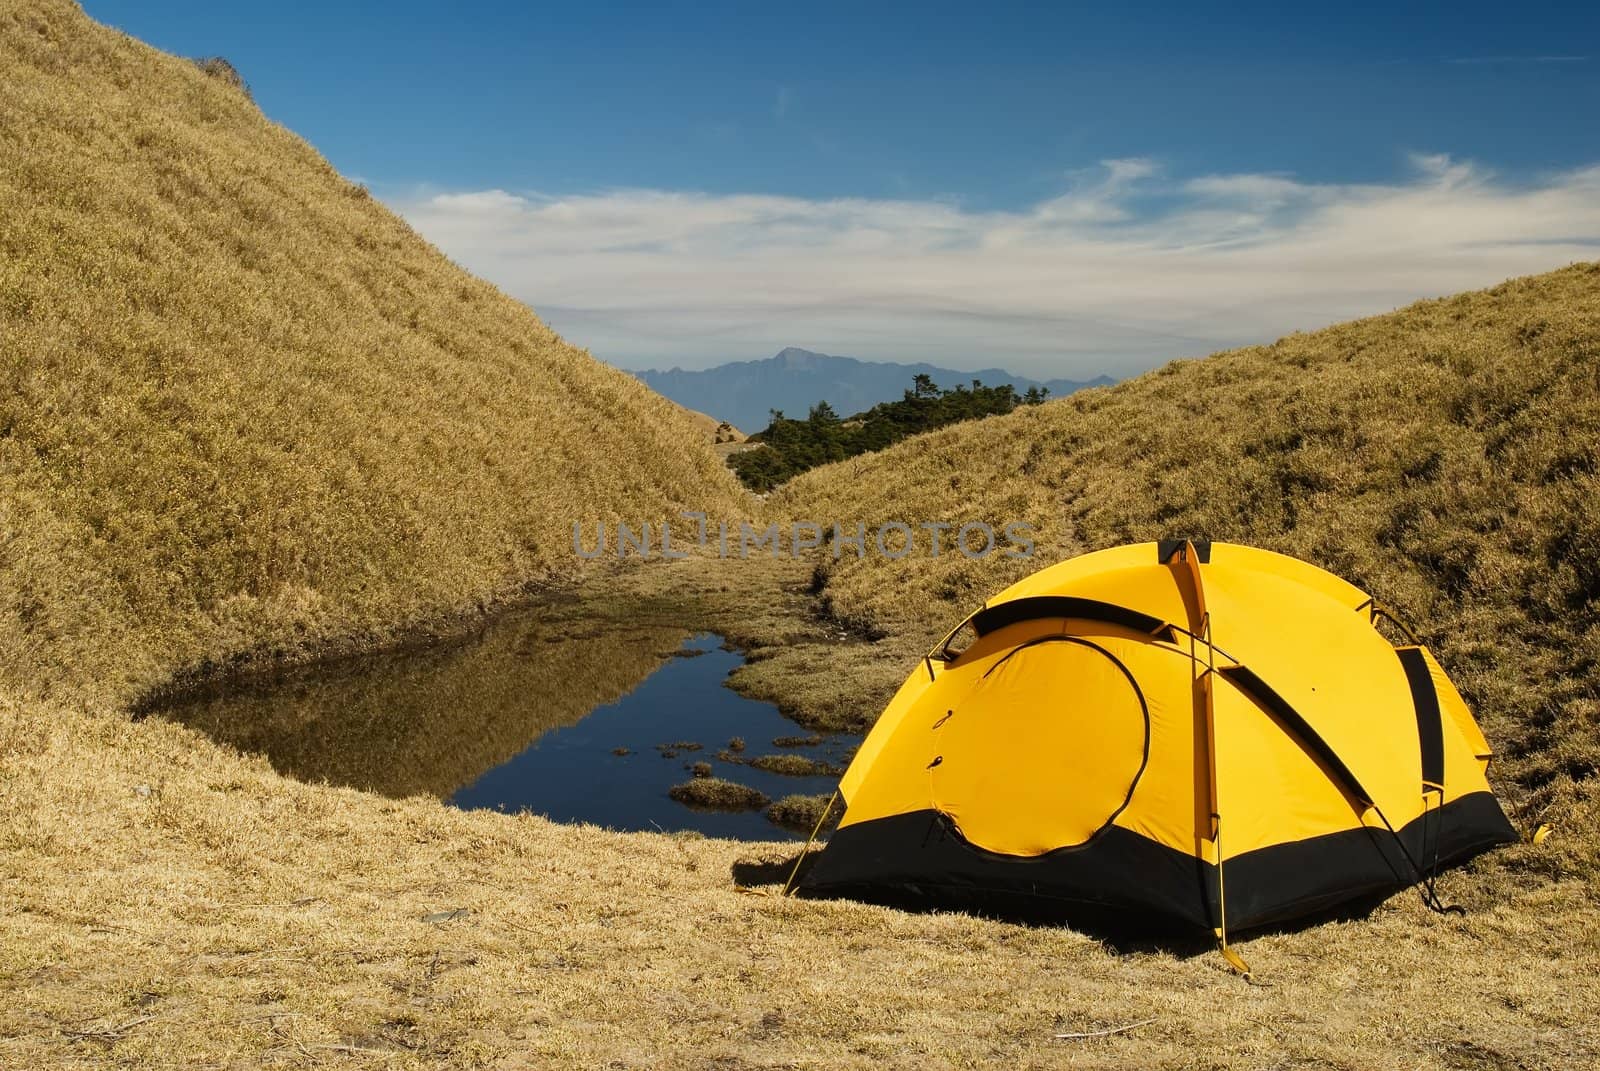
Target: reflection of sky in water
point(571, 774)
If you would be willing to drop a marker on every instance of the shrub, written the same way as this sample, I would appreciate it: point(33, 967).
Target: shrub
point(222, 71)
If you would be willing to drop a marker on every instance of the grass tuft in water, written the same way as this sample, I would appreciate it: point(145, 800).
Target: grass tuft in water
point(797, 741)
point(716, 794)
point(794, 766)
point(800, 813)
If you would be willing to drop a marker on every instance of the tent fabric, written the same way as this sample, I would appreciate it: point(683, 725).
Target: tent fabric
point(1190, 733)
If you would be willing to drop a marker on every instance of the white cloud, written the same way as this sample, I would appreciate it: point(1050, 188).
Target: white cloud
point(1502, 60)
point(486, 203)
point(1121, 271)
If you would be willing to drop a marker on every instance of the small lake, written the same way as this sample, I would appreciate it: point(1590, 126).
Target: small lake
point(616, 766)
point(578, 719)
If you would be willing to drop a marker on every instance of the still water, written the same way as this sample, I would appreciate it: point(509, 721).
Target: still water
point(581, 720)
point(575, 774)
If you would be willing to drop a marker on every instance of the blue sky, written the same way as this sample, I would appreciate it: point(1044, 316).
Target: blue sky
point(801, 135)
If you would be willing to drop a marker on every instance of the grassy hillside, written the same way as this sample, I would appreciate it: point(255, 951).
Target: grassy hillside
point(1444, 457)
point(244, 408)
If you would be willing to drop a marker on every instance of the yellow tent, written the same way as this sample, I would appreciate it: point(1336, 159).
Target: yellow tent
point(1194, 733)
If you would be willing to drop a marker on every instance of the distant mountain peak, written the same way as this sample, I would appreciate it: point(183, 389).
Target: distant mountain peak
point(795, 357)
point(794, 379)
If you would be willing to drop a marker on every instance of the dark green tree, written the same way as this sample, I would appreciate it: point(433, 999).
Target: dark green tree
point(789, 447)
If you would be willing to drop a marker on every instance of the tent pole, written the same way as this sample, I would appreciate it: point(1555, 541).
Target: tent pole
point(788, 885)
point(1188, 557)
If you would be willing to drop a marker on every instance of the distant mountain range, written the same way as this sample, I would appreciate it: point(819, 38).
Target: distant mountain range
point(745, 392)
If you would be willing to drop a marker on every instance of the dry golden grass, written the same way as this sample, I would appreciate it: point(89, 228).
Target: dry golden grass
point(805, 813)
point(792, 765)
point(717, 432)
point(246, 412)
point(714, 793)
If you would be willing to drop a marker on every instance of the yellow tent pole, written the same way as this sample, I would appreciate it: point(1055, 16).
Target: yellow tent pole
point(1200, 632)
point(823, 817)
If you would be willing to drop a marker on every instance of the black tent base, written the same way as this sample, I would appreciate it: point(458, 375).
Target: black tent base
point(1117, 928)
point(1122, 883)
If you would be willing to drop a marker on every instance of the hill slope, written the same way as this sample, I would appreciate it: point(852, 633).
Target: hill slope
point(243, 406)
point(744, 392)
point(1444, 457)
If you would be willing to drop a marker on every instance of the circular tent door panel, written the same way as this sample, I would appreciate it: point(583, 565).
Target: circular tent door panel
point(1044, 751)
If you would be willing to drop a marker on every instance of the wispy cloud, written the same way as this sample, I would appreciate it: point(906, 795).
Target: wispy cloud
point(780, 105)
point(1125, 268)
point(1503, 60)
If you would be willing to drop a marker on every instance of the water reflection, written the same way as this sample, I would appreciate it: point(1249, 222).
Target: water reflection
point(569, 717)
